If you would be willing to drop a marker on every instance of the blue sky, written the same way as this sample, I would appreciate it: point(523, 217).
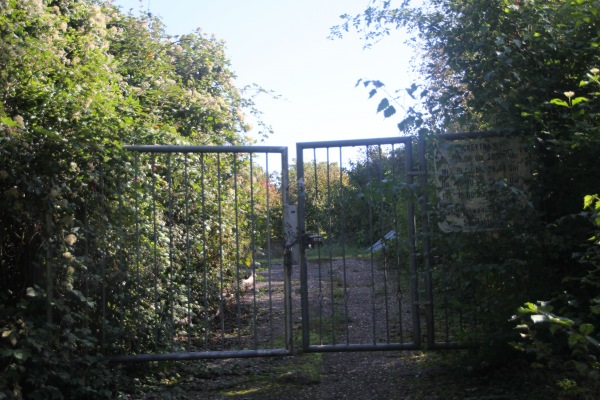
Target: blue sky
point(283, 45)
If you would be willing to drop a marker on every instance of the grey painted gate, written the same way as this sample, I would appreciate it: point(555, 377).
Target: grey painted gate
point(209, 241)
point(368, 277)
point(359, 275)
point(201, 230)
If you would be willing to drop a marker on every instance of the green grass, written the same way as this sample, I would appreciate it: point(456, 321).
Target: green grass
point(336, 251)
point(338, 293)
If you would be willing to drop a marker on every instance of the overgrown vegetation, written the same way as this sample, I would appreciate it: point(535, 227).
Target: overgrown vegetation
point(80, 79)
point(530, 67)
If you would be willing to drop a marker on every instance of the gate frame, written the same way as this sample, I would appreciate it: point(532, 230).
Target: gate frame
point(411, 172)
point(416, 173)
point(223, 354)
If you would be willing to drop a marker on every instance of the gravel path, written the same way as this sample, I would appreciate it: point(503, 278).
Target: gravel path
point(385, 375)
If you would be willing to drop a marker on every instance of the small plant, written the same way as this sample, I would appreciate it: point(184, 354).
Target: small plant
point(563, 333)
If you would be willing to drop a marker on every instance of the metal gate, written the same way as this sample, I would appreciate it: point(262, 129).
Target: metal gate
point(201, 230)
point(209, 239)
point(368, 280)
point(359, 274)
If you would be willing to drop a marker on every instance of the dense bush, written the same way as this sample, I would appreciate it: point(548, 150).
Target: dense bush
point(531, 67)
point(80, 79)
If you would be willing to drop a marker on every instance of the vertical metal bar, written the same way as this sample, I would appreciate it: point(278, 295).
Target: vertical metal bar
point(460, 306)
point(236, 206)
point(122, 267)
point(446, 315)
point(137, 246)
point(396, 201)
point(171, 251)
point(103, 260)
point(269, 261)
point(372, 252)
point(49, 269)
point(330, 245)
point(86, 250)
point(425, 240)
point(188, 282)
point(301, 233)
point(206, 261)
point(383, 229)
point(412, 251)
point(222, 289)
point(343, 239)
point(287, 267)
point(253, 253)
point(318, 230)
point(155, 240)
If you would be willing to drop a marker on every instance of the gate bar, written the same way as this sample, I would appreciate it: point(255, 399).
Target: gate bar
point(331, 348)
point(429, 320)
point(199, 355)
point(355, 142)
point(167, 148)
point(412, 250)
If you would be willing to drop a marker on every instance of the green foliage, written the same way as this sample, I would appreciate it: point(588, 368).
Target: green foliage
point(377, 188)
point(563, 333)
point(532, 67)
point(325, 183)
point(482, 61)
point(357, 205)
point(79, 79)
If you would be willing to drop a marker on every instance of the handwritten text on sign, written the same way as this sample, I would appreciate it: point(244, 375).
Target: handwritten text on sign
point(466, 171)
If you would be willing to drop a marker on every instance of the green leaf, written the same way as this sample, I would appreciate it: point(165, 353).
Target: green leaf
point(578, 100)
point(588, 200)
point(586, 329)
point(575, 339)
point(561, 320)
point(529, 307)
point(31, 292)
point(8, 122)
point(559, 102)
point(21, 354)
point(372, 93)
point(388, 112)
point(383, 104)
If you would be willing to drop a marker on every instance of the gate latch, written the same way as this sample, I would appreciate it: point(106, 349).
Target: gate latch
point(311, 240)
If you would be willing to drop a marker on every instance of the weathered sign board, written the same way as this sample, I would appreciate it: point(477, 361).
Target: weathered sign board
point(468, 170)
